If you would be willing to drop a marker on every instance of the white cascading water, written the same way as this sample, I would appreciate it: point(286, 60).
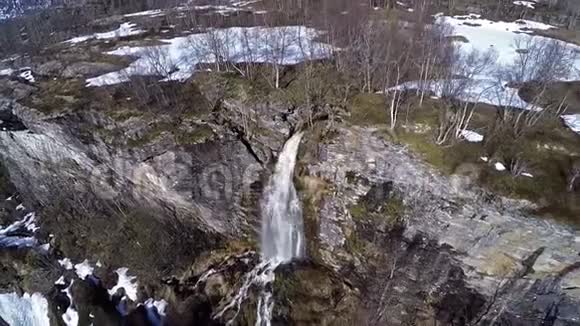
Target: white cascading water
point(282, 237)
point(29, 310)
point(282, 229)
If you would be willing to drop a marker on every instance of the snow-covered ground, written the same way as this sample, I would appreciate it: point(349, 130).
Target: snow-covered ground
point(129, 283)
point(477, 90)
point(501, 37)
point(84, 269)
point(125, 29)
point(28, 310)
point(176, 60)
point(504, 40)
point(224, 9)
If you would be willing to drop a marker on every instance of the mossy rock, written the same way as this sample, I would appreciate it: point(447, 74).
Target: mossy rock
point(310, 294)
point(198, 135)
point(391, 211)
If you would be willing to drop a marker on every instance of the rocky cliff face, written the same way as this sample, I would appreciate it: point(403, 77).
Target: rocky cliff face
point(390, 240)
point(459, 254)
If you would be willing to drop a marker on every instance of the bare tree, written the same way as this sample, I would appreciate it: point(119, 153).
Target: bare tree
point(574, 175)
point(573, 10)
point(461, 90)
point(539, 63)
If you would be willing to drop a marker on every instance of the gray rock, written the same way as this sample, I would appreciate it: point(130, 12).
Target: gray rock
point(489, 242)
point(87, 69)
point(49, 69)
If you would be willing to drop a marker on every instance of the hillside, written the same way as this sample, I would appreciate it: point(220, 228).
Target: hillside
point(290, 163)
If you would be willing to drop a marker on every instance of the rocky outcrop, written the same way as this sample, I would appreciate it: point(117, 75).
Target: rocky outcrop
point(42, 150)
point(463, 257)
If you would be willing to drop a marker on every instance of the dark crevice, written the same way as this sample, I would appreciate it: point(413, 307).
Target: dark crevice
point(250, 149)
point(502, 289)
point(238, 131)
point(10, 122)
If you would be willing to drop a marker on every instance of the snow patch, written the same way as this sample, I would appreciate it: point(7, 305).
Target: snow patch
point(84, 269)
point(484, 158)
point(471, 136)
point(26, 74)
point(176, 60)
point(129, 283)
point(66, 263)
point(125, 29)
point(529, 4)
point(6, 72)
point(499, 166)
point(70, 316)
point(526, 174)
point(484, 34)
point(28, 310)
point(572, 121)
point(477, 90)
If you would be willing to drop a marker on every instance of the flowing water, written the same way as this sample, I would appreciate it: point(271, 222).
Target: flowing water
point(28, 310)
point(282, 237)
point(282, 229)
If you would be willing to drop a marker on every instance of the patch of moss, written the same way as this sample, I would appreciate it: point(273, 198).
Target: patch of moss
point(198, 135)
point(514, 187)
point(230, 85)
point(155, 131)
point(368, 110)
point(424, 146)
point(391, 211)
point(312, 190)
point(355, 244)
point(285, 286)
point(241, 245)
point(444, 158)
point(358, 211)
point(121, 114)
point(59, 95)
point(311, 294)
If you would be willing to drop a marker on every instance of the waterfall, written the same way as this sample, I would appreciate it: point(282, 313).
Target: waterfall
point(282, 229)
point(29, 310)
point(282, 237)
